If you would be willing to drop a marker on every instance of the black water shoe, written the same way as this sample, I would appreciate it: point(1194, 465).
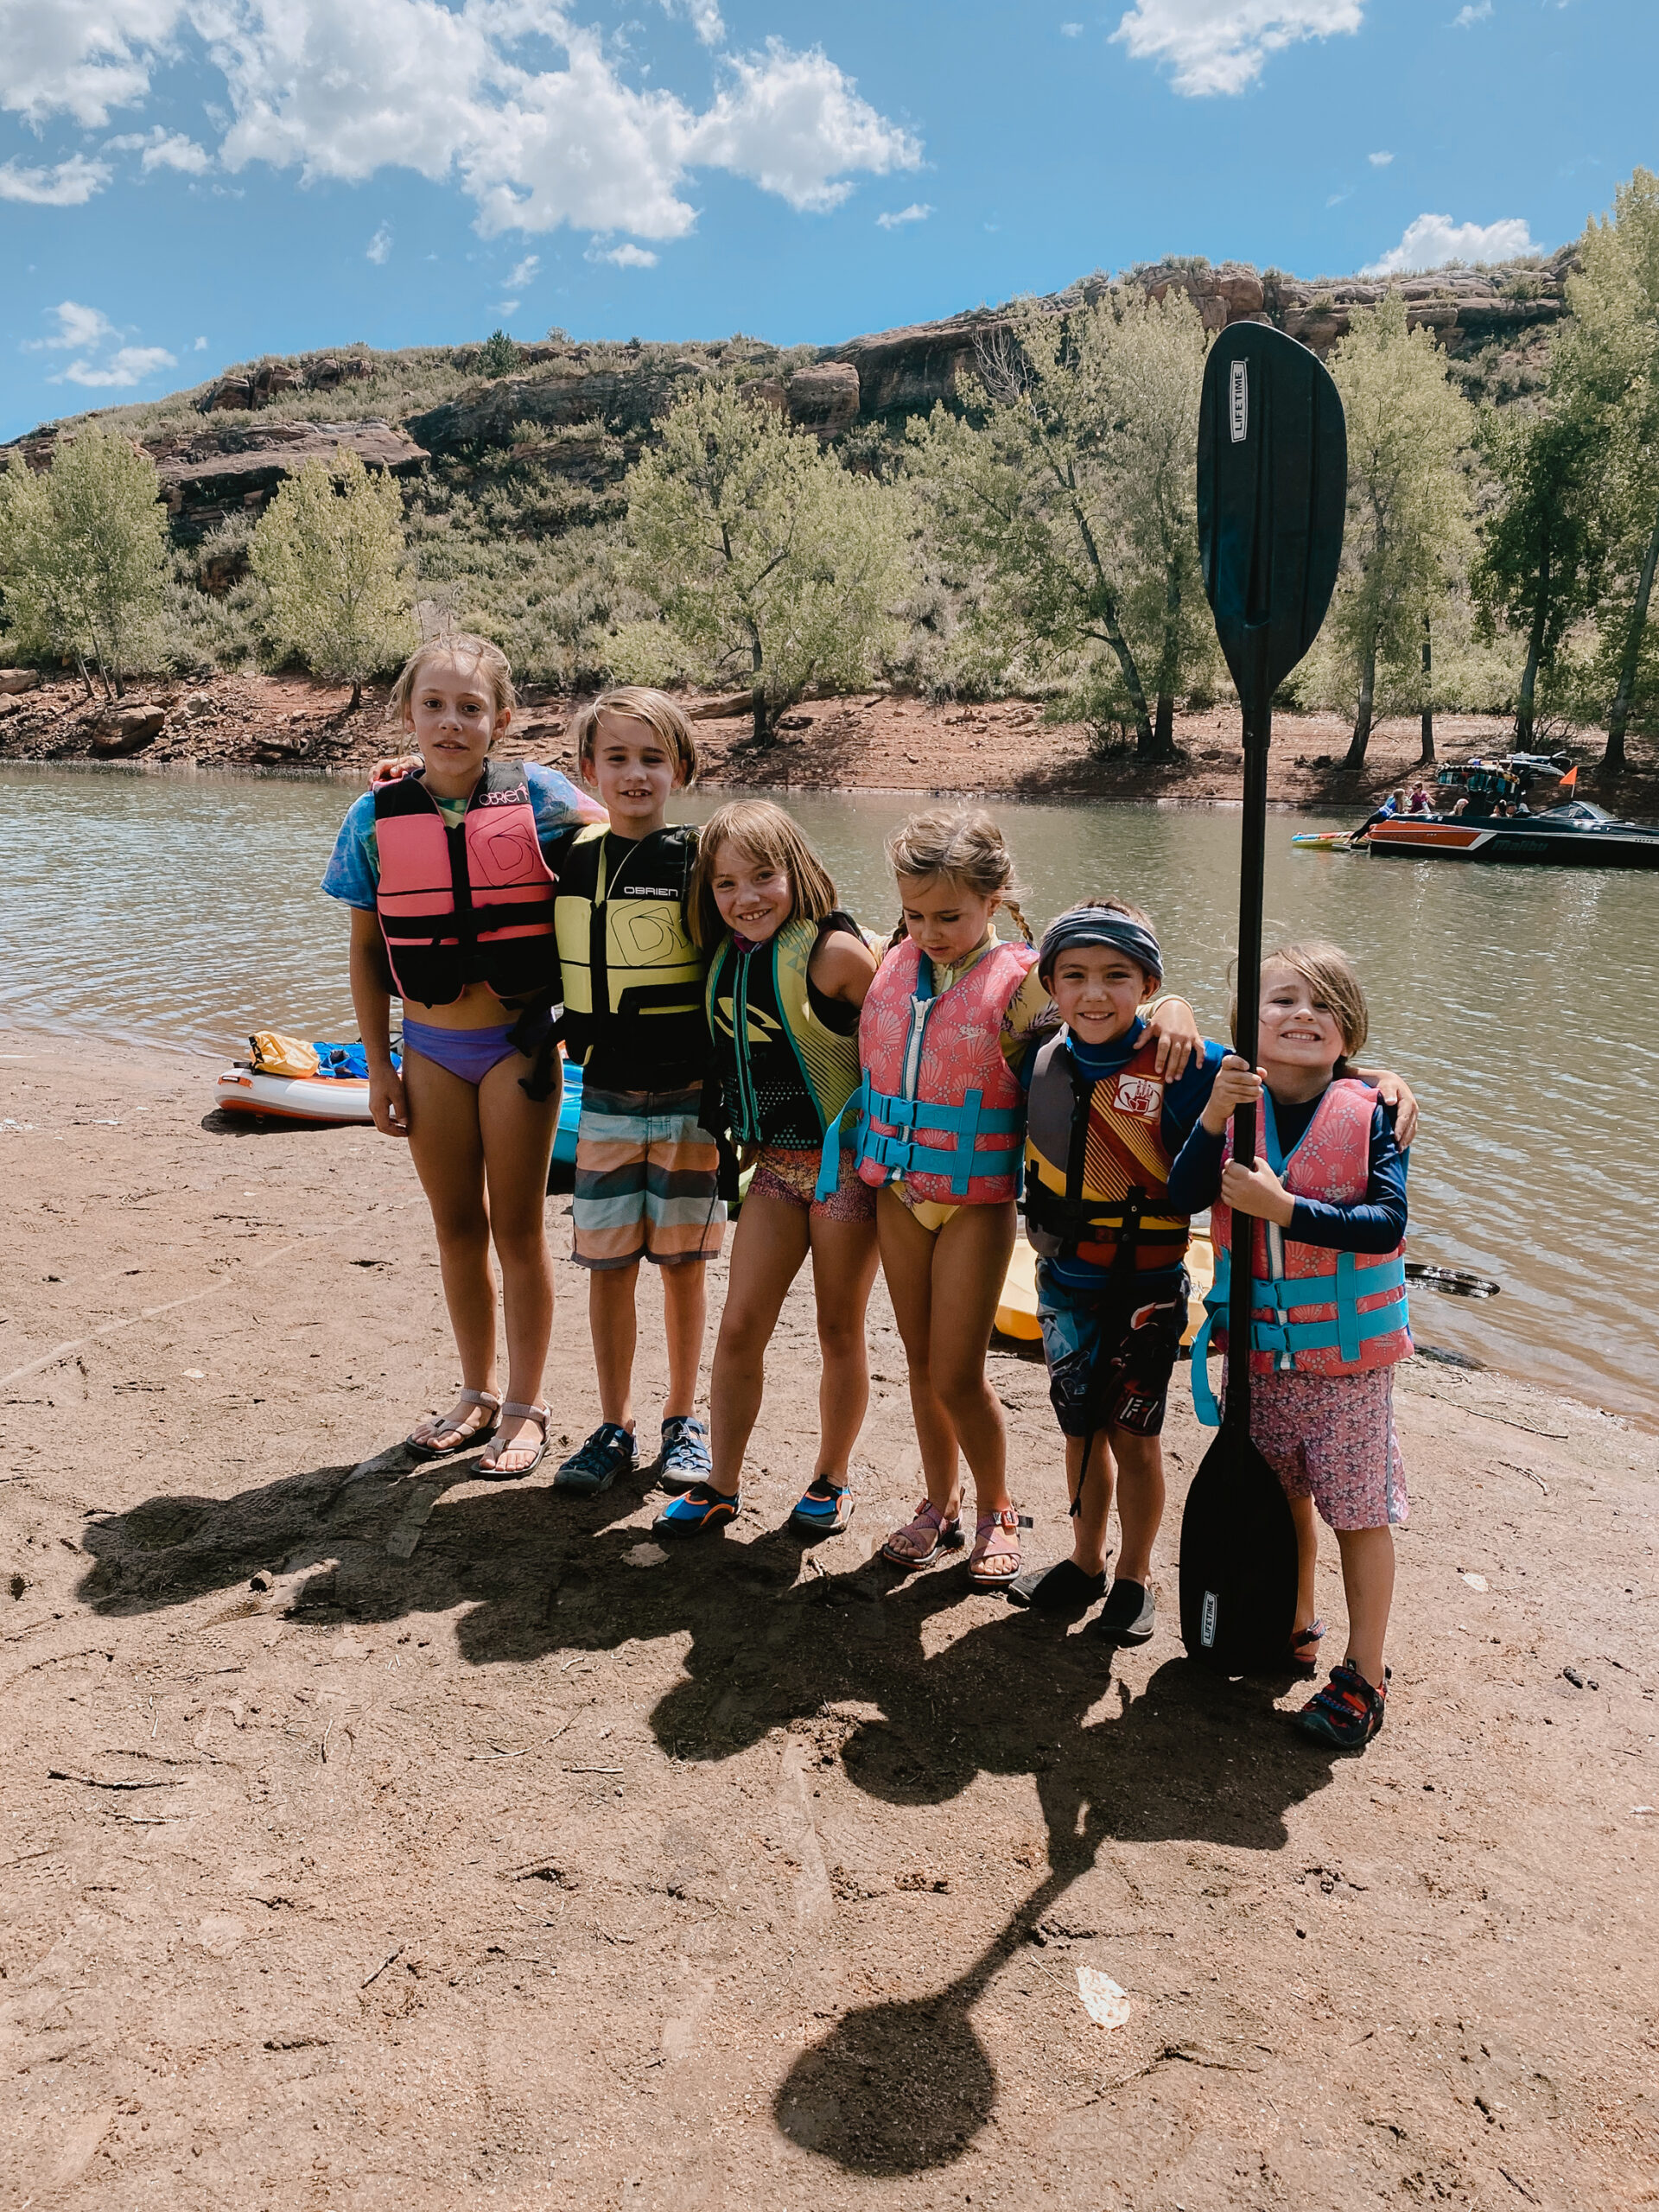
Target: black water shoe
point(1127, 1616)
point(1066, 1587)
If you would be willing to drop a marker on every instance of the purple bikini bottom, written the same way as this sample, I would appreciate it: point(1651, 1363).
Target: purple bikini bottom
point(469, 1054)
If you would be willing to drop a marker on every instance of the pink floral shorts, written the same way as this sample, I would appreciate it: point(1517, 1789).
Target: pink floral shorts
point(793, 1176)
point(1330, 1438)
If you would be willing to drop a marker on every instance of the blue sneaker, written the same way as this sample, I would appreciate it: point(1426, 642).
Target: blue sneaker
point(608, 1453)
point(684, 1457)
point(696, 1511)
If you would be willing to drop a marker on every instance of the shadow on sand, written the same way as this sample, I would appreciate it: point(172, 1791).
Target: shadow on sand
point(1194, 1757)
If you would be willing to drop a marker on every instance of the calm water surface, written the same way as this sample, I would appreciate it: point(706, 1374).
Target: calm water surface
point(1521, 1004)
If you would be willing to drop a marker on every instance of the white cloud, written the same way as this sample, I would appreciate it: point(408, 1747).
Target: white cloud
point(623, 257)
point(78, 327)
point(131, 365)
point(918, 212)
point(379, 249)
point(704, 17)
point(1433, 240)
point(1476, 12)
point(66, 184)
point(795, 125)
point(81, 58)
point(200, 345)
point(1379, 161)
point(161, 150)
point(1219, 46)
point(1070, 30)
point(524, 273)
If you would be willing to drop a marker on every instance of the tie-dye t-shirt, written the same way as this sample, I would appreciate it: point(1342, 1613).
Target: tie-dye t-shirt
point(352, 874)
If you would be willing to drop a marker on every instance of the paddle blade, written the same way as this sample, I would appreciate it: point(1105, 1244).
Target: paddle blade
point(1273, 487)
point(1238, 1561)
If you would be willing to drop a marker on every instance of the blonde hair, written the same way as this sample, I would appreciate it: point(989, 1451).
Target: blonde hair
point(963, 844)
point(640, 704)
point(766, 836)
point(1328, 970)
point(491, 663)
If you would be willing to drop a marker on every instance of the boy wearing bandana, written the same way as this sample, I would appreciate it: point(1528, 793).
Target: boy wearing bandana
point(1104, 1128)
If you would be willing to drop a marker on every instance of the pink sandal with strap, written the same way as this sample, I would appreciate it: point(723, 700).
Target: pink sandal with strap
point(919, 1542)
point(995, 1560)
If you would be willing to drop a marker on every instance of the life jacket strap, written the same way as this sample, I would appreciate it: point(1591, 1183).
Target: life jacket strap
point(842, 1132)
point(1345, 1335)
point(962, 1161)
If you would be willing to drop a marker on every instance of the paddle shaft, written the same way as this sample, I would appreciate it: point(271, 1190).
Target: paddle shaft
point(1258, 730)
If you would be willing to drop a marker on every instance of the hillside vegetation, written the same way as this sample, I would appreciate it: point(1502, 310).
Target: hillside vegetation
point(999, 504)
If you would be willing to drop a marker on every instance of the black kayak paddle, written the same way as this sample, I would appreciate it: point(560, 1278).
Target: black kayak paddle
point(1273, 483)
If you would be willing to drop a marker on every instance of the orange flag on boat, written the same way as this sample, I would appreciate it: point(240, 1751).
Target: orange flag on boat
point(1569, 781)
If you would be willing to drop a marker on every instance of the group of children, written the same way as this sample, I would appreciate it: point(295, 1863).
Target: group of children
point(888, 1100)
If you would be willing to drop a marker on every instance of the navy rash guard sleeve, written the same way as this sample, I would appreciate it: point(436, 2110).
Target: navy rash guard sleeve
point(1375, 1224)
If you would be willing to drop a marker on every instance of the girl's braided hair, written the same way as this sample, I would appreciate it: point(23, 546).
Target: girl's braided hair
point(963, 843)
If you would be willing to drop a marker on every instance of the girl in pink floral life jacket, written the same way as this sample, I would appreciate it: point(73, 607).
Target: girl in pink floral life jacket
point(1324, 1206)
point(941, 1133)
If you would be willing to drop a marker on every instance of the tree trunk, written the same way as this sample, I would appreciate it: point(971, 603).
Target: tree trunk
point(1523, 711)
point(1612, 759)
point(1106, 601)
point(80, 662)
point(1163, 731)
point(356, 699)
point(1355, 756)
point(757, 691)
point(1425, 757)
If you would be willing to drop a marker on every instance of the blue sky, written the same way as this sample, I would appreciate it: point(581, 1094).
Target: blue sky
point(185, 183)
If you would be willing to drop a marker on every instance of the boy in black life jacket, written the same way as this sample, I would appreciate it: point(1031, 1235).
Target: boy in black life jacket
point(646, 1170)
point(1104, 1127)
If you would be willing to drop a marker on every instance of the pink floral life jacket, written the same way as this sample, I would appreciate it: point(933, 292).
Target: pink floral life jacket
point(1317, 1311)
point(941, 1107)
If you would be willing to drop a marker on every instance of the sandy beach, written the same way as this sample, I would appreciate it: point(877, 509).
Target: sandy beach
point(376, 1837)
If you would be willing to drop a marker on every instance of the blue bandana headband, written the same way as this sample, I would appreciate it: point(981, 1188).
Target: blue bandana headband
point(1081, 925)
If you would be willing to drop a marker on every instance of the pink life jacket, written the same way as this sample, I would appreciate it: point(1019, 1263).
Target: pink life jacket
point(1315, 1312)
point(470, 904)
point(936, 1089)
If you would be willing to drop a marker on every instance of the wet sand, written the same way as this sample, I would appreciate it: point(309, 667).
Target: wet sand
point(373, 1836)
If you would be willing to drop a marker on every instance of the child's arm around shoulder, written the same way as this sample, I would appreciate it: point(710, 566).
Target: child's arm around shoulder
point(843, 967)
point(558, 803)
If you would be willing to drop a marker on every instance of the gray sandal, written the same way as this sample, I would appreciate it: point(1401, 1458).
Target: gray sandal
point(466, 1439)
point(491, 1471)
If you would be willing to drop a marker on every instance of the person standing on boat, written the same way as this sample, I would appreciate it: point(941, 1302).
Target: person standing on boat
point(444, 867)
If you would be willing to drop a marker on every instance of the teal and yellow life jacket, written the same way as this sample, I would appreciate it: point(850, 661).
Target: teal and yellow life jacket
point(785, 1075)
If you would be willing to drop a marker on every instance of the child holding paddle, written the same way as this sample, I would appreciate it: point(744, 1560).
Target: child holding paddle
point(788, 971)
point(1326, 1207)
point(950, 1015)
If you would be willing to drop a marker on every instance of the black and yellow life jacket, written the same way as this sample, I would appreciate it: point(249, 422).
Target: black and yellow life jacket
point(633, 978)
point(785, 1075)
point(1096, 1165)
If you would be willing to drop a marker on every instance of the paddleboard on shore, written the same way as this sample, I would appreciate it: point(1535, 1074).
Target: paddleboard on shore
point(1016, 1309)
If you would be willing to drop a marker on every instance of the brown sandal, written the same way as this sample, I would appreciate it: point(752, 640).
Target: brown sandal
point(924, 1538)
point(995, 1560)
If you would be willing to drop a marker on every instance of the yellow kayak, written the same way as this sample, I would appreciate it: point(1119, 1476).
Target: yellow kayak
point(1016, 1309)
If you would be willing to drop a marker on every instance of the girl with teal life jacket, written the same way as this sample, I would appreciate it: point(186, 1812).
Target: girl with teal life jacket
point(787, 974)
point(942, 1123)
point(1325, 1209)
point(444, 865)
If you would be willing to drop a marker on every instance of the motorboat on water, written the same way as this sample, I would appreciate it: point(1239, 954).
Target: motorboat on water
point(1576, 834)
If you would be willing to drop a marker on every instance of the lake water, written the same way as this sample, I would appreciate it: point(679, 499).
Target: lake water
point(1521, 1004)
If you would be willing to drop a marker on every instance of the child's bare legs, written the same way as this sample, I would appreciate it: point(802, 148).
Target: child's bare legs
point(459, 1135)
point(772, 1239)
point(1132, 1467)
point(843, 1270)
point(1307, 1560)
point(944, 1290)
point(1368, 1586)
point(685, 1314)
point(612, 1324)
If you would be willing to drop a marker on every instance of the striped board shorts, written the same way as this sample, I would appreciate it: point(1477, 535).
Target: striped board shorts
point(646, 1174)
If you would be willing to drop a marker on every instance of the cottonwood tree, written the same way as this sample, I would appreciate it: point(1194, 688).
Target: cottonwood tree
point(772, 566)
point(83, 555)
point(1542, 546)
point(1607, 360)
point(329, 550)
point(1408, 502)
point(1075, 497)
